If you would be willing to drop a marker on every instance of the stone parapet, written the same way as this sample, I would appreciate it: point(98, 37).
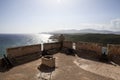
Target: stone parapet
point(23, 50)
point(48, 46)
point(114, 53)
point(89, 46)
point(68, 44)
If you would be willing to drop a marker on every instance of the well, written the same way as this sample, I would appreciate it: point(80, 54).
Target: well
point(48, 60)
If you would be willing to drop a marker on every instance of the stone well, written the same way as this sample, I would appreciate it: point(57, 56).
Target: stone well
point(48, 61)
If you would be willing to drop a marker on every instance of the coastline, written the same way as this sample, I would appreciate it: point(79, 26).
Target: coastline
point(16, 40)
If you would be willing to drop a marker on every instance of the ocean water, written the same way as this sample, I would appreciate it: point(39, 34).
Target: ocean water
point(15, 40)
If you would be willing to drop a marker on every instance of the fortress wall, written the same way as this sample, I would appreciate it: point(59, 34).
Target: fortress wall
point(31, 49)
point(114, 53)
point(113, 49)
point(23, 50)
point(48, 46)
point(89, 46)
point(68, 44)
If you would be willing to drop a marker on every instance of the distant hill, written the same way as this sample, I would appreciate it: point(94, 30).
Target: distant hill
point(83, 31)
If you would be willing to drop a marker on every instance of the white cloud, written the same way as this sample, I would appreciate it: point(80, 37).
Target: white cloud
point(115, 24)
point(95, 26)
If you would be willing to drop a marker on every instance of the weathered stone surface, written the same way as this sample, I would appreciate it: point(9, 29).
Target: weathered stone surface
point(48, 46)
point(68, 44)
point(50, 62)
point(23, 50)
point(66, 69)
point(89, 46)
point(114, 53)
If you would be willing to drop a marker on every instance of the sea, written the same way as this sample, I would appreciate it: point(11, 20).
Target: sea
point(16, 40)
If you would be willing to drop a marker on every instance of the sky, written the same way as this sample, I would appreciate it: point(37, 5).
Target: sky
point(35, 16)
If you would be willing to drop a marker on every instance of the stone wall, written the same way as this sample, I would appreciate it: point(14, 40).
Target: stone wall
point(48, 46)
point(68, 44)
point(23, 50)
point(114, 53)
point(85, 47)
point(89, 46)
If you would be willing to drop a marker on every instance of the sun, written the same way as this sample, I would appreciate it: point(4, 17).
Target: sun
point(59, 1)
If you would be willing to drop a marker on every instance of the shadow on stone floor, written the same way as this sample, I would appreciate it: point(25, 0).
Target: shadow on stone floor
point(46, 69)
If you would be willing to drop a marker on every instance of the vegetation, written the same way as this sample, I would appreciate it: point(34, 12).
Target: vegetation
point(96, 38)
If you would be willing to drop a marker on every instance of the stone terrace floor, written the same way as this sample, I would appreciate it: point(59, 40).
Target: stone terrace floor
point(67, 68)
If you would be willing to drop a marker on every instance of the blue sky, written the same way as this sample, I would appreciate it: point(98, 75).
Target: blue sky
point(34, 16)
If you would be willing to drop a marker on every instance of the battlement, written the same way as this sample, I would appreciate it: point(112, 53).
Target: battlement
point(95, 49)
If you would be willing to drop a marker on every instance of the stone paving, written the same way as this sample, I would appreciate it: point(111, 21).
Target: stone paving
point(65, 69)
